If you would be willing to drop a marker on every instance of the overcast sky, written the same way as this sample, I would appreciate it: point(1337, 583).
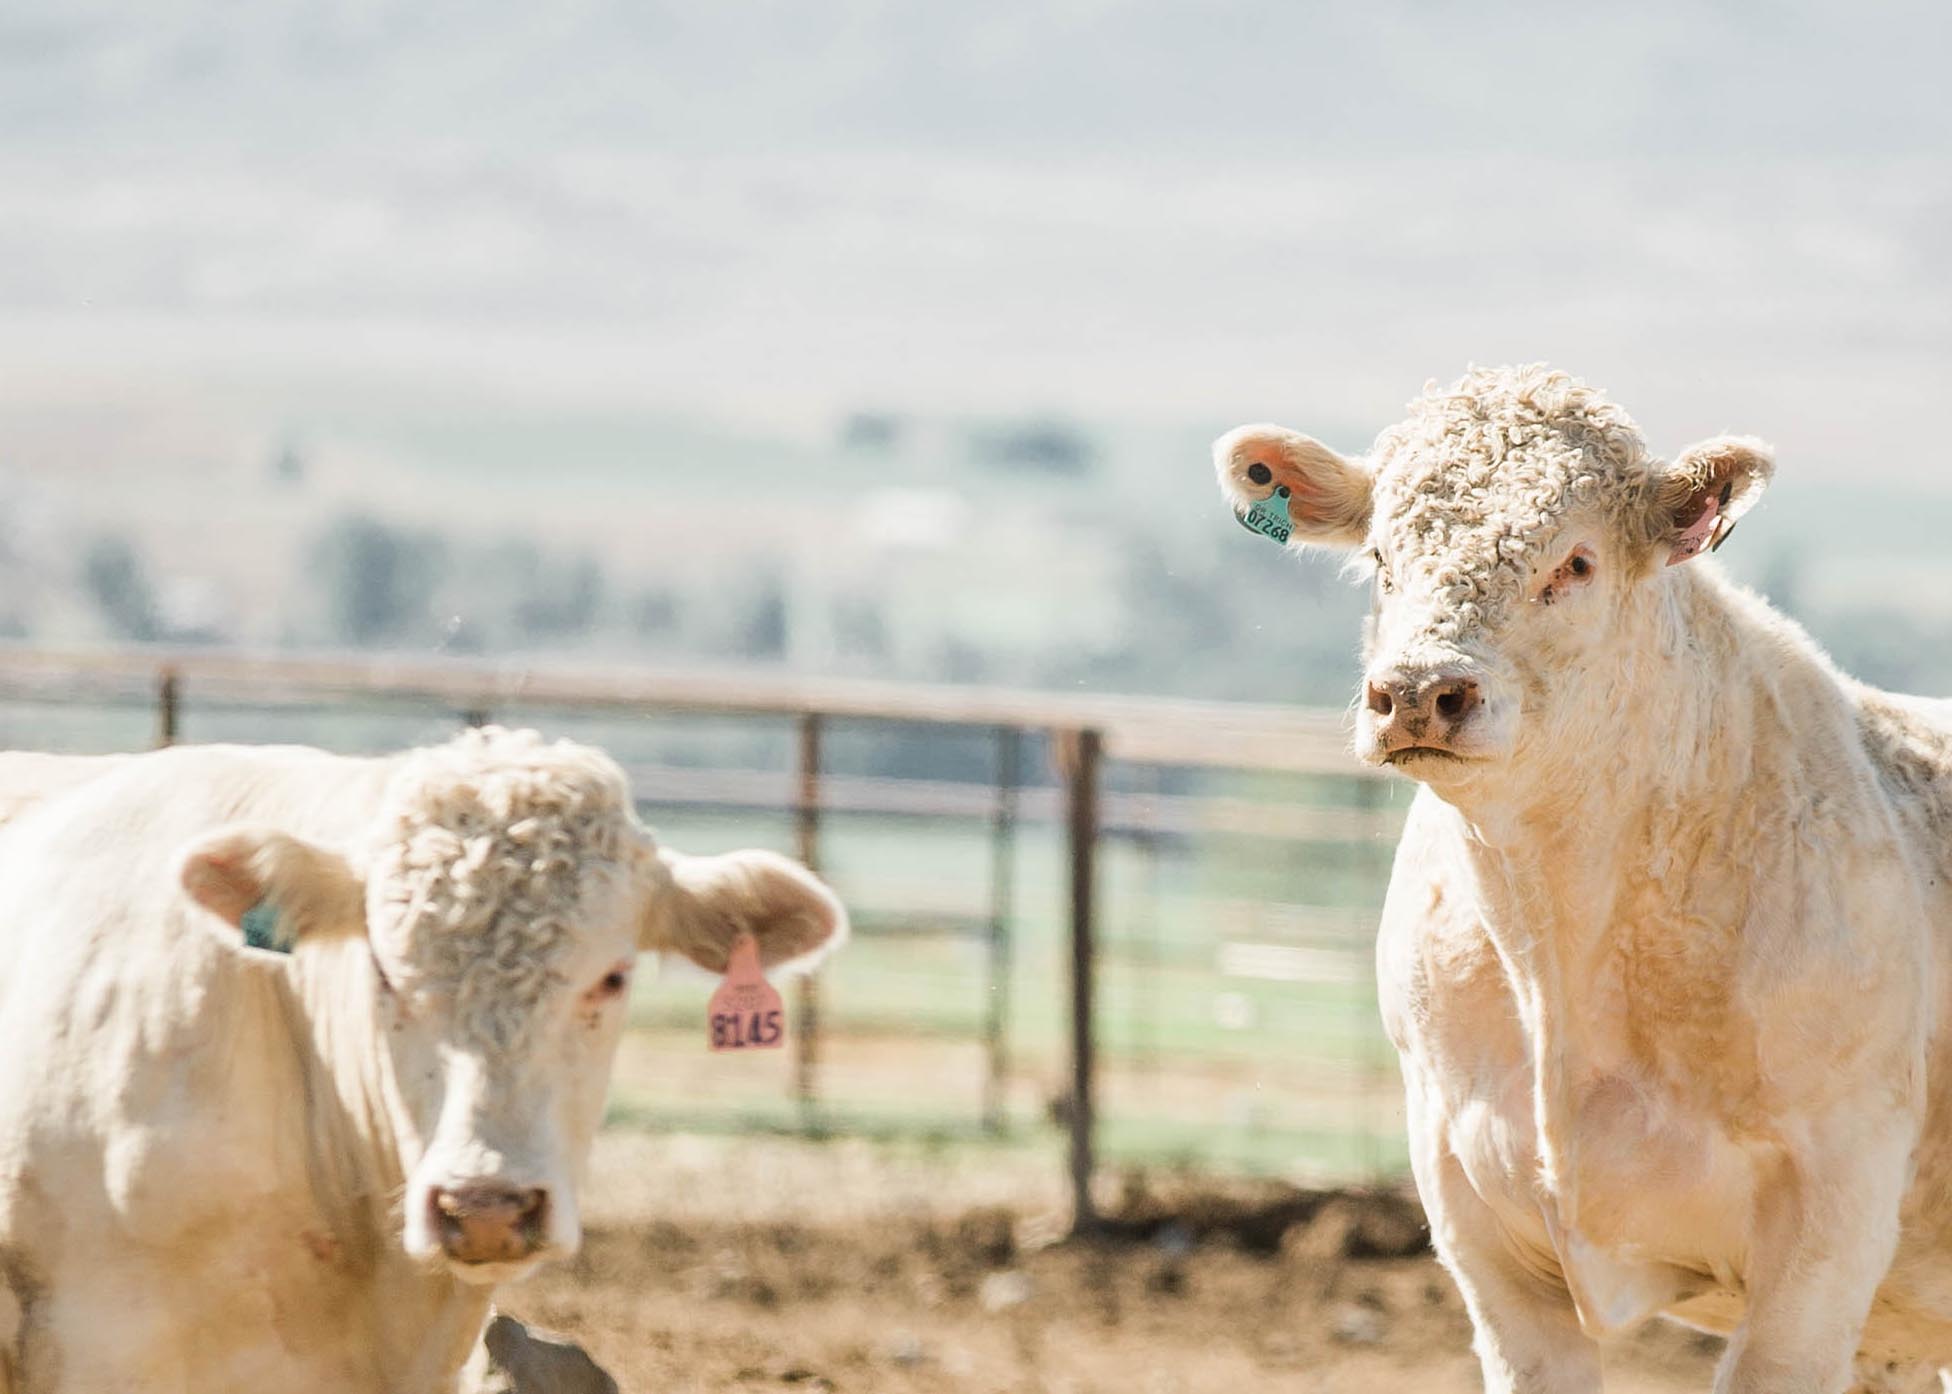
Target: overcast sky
point(1734, 216)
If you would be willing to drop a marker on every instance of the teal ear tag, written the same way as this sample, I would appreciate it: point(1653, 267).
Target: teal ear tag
point(261, 929)
point(1270, 517)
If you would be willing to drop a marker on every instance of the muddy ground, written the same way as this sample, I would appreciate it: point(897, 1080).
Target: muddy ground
point(767, 1265)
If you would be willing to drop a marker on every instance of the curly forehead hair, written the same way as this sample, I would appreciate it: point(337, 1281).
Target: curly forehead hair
point(488, 855)
point(1481, 474)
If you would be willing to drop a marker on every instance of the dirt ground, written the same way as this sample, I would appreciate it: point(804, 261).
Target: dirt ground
point(767, 1265)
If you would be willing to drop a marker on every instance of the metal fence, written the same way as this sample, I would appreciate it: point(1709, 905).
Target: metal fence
point(1145, 923)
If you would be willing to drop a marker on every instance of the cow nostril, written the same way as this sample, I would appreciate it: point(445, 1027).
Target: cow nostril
point(488, 1223)
point(1379, 700)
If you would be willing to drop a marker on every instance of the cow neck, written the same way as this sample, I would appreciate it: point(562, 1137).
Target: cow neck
point(421, 1320)
point(1563, 851)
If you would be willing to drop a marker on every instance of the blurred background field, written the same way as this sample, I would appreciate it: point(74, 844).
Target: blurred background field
point(886, 339)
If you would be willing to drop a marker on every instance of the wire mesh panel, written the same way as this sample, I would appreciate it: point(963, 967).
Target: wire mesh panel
point(909, 1015)
point(1232, 910)
point(1239, 1026)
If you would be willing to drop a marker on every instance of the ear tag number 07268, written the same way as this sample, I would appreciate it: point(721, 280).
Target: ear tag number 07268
point(745, 1012)
point(1270, 517)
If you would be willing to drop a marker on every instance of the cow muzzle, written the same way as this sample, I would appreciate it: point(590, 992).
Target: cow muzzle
point(1412, 712)
point(489, 1222)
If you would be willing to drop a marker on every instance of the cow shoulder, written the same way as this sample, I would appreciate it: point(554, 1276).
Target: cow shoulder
point(1908, 741)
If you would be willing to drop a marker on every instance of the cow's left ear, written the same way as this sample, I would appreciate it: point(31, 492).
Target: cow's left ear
point(272, 889)
point(1705, 491)
point(701, 905)
point(1292, 488)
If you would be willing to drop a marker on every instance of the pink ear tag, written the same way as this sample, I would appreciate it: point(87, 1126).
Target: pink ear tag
point(1689, 544)
point(745, 1012)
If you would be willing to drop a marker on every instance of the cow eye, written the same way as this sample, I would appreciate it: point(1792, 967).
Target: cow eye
point(1575, 571)
point(611, 984)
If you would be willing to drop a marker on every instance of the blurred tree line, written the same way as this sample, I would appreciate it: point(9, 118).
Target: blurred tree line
point(365, 582)
point(1201, 613)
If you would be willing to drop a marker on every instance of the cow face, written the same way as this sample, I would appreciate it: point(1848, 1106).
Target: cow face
point(1515, 532)
point(492, 923)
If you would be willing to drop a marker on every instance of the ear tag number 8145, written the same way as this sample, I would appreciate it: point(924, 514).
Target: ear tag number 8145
point(745, 1012)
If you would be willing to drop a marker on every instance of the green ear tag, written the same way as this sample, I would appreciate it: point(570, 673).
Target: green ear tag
point(261, 929)
point(1270, 517)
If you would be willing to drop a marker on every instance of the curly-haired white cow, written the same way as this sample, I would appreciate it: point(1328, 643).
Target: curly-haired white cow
point(1664, 952)
point(281, 1102)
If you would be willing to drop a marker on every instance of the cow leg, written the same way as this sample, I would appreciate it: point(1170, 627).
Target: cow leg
point(1528, 1338)
point(1825, 1230)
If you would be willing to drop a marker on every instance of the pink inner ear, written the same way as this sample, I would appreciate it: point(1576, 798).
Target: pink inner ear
point(221, 884)
point(1689, 544)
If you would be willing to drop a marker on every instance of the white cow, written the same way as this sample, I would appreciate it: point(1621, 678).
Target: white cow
point(1665, 952)
point(281, 1103)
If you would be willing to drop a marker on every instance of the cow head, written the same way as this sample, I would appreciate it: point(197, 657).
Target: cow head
point(1518, 537)
point(493, 918)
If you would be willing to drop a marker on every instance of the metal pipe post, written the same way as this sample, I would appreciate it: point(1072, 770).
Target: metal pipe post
point(806, 829)
point(1083, 752)
point(168, 707)
point(1003, 832)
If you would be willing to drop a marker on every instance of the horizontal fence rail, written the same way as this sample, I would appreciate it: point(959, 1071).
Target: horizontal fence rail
point(1143, 730)
point(1209, 875)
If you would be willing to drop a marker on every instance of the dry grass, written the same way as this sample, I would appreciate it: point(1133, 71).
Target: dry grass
point(773, 1265)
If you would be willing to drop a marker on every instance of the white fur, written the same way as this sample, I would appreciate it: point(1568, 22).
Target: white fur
point(215, 1163)
point(1664, 955)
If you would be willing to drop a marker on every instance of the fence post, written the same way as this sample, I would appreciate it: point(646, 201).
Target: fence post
point(1146, 956)
point(1003, 824)
point(806, 829)
point(1082, 751)
point(168, 707)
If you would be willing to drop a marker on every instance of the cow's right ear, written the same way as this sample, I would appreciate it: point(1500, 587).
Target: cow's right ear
point(701, 905)
point(272, 889)
point(1700, 497)
point(1292, 488)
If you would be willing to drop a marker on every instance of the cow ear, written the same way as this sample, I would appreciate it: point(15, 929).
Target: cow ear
point(271, 889)
point(703, 904)
point(1699, 498)
point(1291, 487)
